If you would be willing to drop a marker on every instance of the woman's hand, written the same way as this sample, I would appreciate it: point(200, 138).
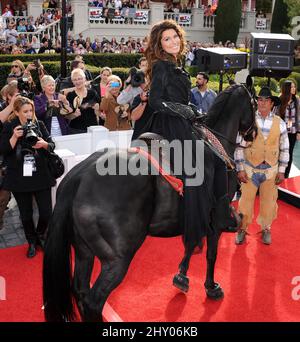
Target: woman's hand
point(54, 103)
point(41, 143)
point(18, 132)
point(298, 136)
point(62, 98)
point(77, 113)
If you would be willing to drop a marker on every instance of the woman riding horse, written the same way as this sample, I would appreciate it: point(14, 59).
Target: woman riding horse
point(139, 205)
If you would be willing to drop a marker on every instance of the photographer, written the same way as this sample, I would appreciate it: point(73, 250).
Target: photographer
point(52, 107)
point(135, 87)
point(23, 143)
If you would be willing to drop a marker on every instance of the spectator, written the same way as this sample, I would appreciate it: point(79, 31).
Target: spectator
point(116, 116)
point(289, 111)
point(84, 103)
point(11, 35)
point(261, 165)
point(203, 96)
point(49, 107)
point(105, 73)
point(17, 69)
point(7, 11)
point(45, 47)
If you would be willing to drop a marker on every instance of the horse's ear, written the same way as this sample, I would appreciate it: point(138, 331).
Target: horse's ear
point(249, 82)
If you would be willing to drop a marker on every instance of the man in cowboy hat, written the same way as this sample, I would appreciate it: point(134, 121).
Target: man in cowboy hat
point(261, 165)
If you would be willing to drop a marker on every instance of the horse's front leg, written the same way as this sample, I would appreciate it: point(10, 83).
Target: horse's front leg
point(180, 280)
point(213, 290)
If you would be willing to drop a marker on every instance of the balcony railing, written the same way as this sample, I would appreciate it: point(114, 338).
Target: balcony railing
point(209, 21)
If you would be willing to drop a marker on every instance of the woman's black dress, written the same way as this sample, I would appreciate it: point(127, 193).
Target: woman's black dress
point(171, 83)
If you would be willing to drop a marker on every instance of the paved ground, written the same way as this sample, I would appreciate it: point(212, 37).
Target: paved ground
point(12, 233)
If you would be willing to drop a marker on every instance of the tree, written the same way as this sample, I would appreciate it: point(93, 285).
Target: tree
point(280, 19)
point(227, 23)
point(293, 8)
point(264, 5)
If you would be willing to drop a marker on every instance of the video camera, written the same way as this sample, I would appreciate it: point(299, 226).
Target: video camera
point(30, 136)
point(137, 77)
point(24, 88)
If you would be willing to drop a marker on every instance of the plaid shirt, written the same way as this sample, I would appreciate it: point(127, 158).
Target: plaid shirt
point(265, 127)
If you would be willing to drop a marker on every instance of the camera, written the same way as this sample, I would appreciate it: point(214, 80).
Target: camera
point(137, 77)
point(24, 87)
point(115, 84)
point(37, 63)
point(30, 136)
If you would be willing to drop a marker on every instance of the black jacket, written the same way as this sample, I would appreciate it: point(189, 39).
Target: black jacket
point(13, 160)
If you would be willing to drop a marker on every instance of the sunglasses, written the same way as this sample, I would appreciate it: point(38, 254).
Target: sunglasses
point(14, 66)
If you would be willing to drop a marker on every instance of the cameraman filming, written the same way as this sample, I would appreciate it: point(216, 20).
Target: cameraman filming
point(23, 144)
point(135, 87)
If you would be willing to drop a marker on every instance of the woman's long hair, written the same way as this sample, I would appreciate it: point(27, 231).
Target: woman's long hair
point(285, 97)
point(154, 50)
point(20, 101)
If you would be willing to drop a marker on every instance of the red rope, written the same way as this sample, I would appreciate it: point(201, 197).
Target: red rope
point(175, 182)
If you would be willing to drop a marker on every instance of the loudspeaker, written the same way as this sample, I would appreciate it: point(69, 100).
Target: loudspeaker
point(272, 43)
point(220, 59)
point(271, 55)
point(271, 65)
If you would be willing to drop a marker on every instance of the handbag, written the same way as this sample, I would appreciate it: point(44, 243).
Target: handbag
point(55, 164)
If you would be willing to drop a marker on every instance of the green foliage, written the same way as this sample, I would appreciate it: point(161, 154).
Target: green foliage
point(192, 70)
point(258, 81)
point(280, 19)
point(227, 22)
point(296, 76)
point(264, 5)
point(112, 60)
point(296, 68)
point(293, 8)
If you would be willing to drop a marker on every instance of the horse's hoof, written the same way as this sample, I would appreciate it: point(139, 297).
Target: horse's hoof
point(215, 293)
point(181, 282)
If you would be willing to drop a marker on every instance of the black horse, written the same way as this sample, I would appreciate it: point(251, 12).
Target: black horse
point(109, 217)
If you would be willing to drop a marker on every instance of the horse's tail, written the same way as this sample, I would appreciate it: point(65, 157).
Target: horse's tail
point(57, 277)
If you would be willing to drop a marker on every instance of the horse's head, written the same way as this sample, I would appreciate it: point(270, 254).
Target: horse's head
point(248, 128)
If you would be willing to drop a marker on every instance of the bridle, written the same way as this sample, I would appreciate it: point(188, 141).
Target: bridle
point(249, 130)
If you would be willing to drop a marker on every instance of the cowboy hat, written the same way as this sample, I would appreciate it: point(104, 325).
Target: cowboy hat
point(266, 93)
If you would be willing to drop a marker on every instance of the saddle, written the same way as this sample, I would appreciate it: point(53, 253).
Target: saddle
point(162, 165)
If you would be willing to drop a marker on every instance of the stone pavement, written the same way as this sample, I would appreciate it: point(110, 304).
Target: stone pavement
point(12, 233)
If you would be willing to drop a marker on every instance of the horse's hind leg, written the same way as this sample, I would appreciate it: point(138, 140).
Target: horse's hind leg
point(180, 280)
point(213, 290)
point(112, 273)
point(84, 261)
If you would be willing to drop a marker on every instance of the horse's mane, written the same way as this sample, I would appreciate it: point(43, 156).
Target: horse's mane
point(217, 109)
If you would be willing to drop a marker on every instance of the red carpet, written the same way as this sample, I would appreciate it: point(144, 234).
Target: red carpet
point(257, 280)
point(23, 280)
